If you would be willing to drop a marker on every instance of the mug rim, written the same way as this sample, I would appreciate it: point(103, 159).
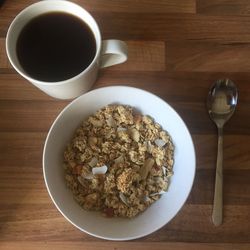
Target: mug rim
point(97, 36)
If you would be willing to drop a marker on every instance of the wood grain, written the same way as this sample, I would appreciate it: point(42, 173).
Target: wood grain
point(147, 6)
point(177, 49)
point(53, 227)
point(4, 62)
point(178, 86)
point(24, 116)
point(25, 149)
point(161, 26)
point(123, 246)
point(189, 56)
point(134, 26)
point(144, 56)
point(128, 6)
point(223, 7)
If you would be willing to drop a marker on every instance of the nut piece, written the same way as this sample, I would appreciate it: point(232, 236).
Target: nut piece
point(111, 122)
point(135, 135)
point(146, 168)
point(92, 141)
point(95, 122)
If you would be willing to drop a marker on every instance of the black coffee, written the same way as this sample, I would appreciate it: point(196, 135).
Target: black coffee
point(55, 46)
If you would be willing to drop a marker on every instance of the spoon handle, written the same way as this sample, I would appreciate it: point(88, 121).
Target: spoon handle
point(218, 194)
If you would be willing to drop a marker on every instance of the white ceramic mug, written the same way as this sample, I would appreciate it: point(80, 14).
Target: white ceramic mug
point(108, 52)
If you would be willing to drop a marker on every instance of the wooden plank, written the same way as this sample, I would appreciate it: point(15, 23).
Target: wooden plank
point(15, 87)
point(177, 86)
point(198, 121)
point(21, 158)
point(24, 150)
point(174, 27)
point(4, 62)
point(147, 6)
point(192, 224)
point(170, 27)
point(144, 56)
point(223, 7)
point(236, 153)
point(171, 86)
point(29, 116)
point(235, 187)
point(22, 116)
point(27, 187)
point(21, 151)
point(189, 56)
point(128, 6)
point(61, 245)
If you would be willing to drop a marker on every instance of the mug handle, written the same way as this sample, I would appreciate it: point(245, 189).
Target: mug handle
point(113, 52)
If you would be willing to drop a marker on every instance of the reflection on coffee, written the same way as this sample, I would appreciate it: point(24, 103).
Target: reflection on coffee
point(55, 46)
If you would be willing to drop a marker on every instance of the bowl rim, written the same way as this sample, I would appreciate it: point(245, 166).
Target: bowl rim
point(124, 88)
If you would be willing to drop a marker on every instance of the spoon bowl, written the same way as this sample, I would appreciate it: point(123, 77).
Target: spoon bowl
point(221, 102)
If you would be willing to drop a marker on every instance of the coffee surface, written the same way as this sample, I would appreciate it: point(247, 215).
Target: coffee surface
point(55, 46)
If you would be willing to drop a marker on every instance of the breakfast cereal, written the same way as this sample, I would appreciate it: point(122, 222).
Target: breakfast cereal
point(119, 162)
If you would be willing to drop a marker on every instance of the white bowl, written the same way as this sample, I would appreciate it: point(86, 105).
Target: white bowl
point(157, 215)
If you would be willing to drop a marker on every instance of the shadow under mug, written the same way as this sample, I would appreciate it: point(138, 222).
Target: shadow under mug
point(108, 52)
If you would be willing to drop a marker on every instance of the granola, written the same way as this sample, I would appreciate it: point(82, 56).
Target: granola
point(119, 162)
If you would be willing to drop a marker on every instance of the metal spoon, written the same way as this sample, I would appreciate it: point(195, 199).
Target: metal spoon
point(221, 103)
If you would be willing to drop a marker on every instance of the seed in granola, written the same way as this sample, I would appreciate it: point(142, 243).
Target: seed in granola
point(92, 141)
point(144, 171)
point(160, 143)
point(93, 162)
point(123, 199)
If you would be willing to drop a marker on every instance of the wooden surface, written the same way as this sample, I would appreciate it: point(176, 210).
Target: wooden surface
point(177, 48)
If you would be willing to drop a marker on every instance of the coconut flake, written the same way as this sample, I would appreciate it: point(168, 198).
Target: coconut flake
point(160, 143)
point(111, 122)
point(146, 198)
point(99, 170)
point(121, 129)
point(157, 179)
point(119, 159)
point(93, 162)
point(95, 122)
point(164, 170)
point(123, 199)
point(88, 176)
point(169, 174)
point(81, 181)
point(159, 193)
point(149, 147)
